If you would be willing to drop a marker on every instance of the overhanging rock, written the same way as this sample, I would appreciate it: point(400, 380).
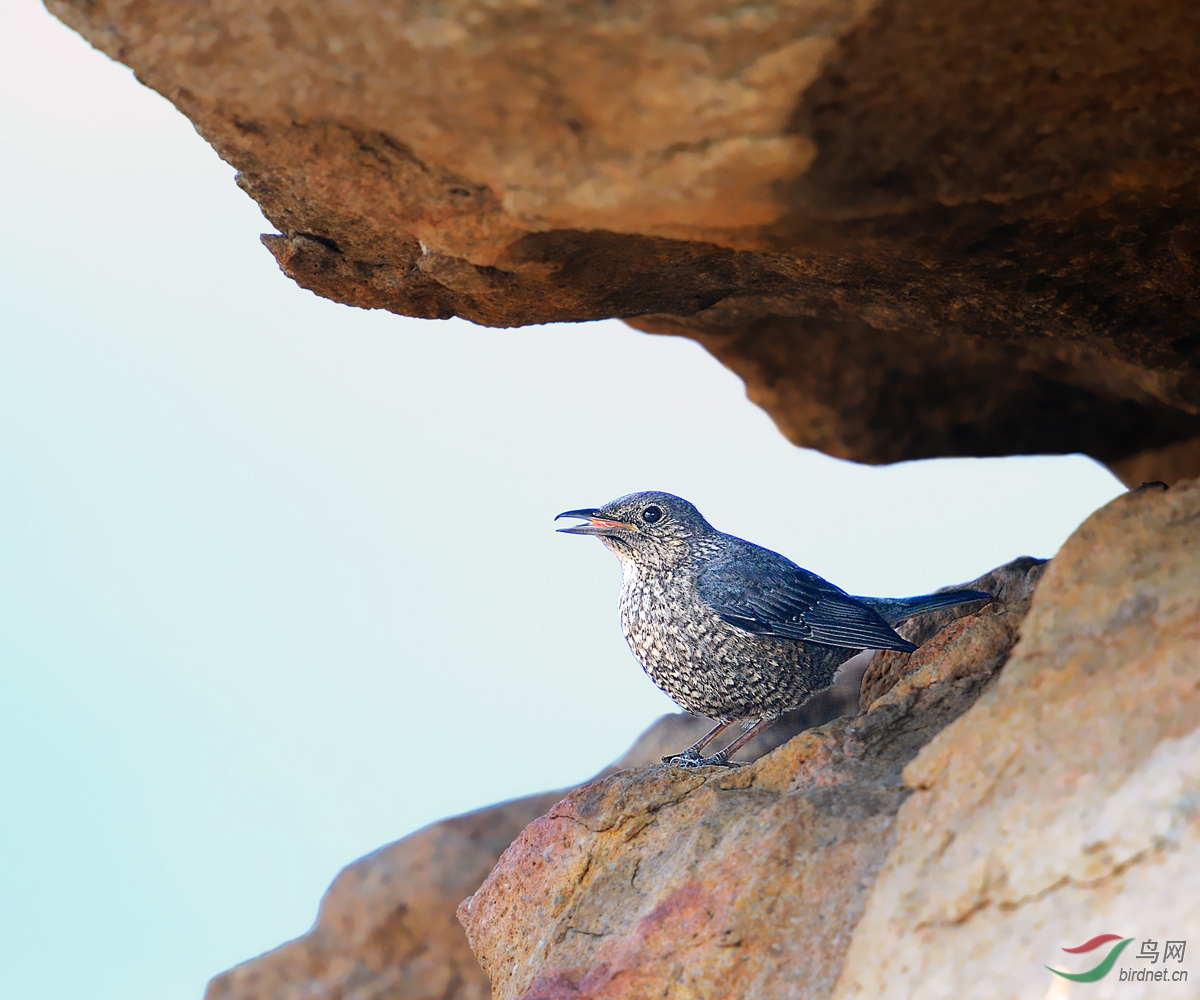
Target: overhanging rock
point(952, 227)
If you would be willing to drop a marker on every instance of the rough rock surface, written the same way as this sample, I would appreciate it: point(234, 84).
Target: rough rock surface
point(1066, 803)
point(386, 929)
point(914, 227)
point(673, 733)
point(1012, 584)
point(947, 842)
point(659, 881)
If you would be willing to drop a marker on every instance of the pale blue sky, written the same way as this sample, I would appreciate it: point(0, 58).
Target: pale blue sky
point(278, 578)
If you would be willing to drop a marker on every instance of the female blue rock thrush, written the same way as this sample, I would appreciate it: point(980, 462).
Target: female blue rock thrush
point(731, 630)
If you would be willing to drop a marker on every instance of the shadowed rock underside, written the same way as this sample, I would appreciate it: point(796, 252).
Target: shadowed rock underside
point(947, 227)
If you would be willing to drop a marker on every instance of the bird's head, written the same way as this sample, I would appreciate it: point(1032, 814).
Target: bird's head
point(650, 527)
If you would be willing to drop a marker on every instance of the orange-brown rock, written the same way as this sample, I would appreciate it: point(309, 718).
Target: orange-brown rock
point(946, 227)
point(938, 845)
point(1012, 584)
point(659, 881)
point(1066, 803)
point(386, 928)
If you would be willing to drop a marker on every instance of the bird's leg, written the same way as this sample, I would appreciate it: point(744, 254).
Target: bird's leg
point(691, 756)
point(721, 758)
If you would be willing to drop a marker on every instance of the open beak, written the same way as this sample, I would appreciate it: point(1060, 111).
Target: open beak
point(597, 523)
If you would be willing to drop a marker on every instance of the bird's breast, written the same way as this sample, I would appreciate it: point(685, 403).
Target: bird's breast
point(664, 622)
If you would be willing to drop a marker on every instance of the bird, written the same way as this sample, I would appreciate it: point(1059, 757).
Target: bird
point(731, 630)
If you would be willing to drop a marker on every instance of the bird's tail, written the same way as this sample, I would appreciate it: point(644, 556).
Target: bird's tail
point(895, 610)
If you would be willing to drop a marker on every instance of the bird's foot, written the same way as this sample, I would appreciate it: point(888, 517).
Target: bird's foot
point(720, 759)
point(689, 758)
point(692, 758)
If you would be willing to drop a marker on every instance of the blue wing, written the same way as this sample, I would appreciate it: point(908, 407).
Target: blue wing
point(760, 591)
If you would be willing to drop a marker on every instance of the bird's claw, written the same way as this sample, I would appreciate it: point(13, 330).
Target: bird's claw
point(692, 758)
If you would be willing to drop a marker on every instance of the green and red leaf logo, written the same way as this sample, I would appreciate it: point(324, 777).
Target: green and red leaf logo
point(1106, 964)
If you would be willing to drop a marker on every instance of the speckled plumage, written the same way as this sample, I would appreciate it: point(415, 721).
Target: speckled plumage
point(704, 663)
point(726, 628)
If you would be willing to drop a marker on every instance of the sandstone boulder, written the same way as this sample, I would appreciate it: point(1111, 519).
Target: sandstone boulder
point(386, 926)
point(946, 842)
point(658, 881)
point(1012, 585)
point(1066, 803)
point(946, 227)
point(386, 929)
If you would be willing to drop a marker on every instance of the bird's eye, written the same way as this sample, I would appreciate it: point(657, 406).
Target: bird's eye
point(652, 513)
